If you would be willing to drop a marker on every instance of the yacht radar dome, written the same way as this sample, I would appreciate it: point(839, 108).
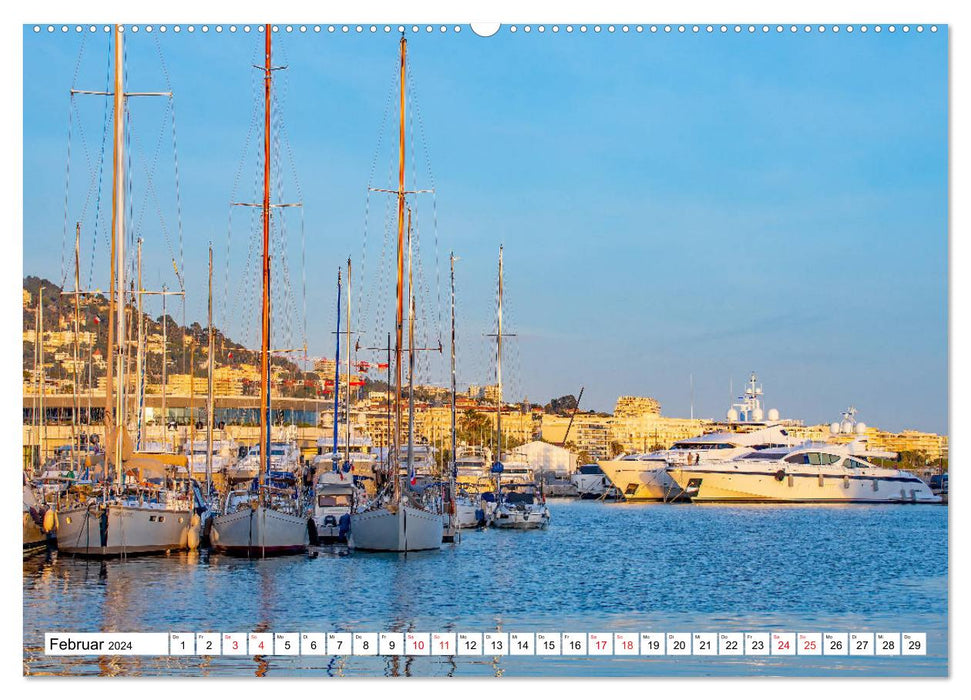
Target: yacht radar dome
point(860, 428)
point(773, 414)
point(732, 415)
point(834, 428)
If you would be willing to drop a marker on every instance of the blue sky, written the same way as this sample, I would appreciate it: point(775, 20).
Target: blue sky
point(670, 205)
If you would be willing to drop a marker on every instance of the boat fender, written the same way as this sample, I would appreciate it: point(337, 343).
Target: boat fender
point(312, 532)
point(199, 425)
point(479, 515)
point(344, 525)
point(193, 538)
point(50, 520)
point(222, 425)
point(780, 475)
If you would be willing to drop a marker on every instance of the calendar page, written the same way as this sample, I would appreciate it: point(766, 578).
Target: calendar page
point(543, 349)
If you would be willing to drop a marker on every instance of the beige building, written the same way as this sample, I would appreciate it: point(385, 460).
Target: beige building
point(589, 433)
point(325, 367)
point(631, 406)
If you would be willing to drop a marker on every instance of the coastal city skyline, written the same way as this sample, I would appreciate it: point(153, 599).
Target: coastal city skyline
point(748, 224)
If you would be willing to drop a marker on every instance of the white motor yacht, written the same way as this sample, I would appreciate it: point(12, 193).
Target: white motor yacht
point(225, 454)
point(284, 457)
point(645, 477)
point(813, 472)
point(335, 494)
point(471, 463)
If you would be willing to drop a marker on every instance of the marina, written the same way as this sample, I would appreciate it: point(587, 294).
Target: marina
point(209, 473)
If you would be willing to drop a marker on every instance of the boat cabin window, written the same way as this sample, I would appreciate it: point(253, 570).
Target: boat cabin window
point(590, 469)
point(813, 458)
point(514, 497)
point(851, 463)
point(328, 501)
point(702, 446)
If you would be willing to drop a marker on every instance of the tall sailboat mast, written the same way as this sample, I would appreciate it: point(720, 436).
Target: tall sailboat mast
point(453, 471)
point(114, 418)
point(165, 362)
point(411, 360)
point(210, 401)
point(499, 366)
point(42, 440)
point(76, 423)
point(337, 376)
point(347, 405)
point(400, 275)
point(265, 347)
point(139, 355)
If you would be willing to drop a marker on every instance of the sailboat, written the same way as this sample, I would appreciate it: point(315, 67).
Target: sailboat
point(267, 518)
point(522, 506)
point(400, 519)
point(147, 509)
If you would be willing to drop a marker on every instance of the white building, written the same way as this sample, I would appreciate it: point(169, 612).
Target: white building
point(543, 456)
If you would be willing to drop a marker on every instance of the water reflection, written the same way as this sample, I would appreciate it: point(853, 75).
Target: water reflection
point(600, 567)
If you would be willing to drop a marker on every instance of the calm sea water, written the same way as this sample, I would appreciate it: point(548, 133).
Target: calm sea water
point(599, 568)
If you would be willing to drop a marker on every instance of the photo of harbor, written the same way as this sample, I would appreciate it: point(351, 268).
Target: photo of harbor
point(380, 336)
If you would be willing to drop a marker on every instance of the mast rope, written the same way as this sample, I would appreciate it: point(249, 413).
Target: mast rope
point(422, 137)
point(101, 164)
point(236, 299)
point(365, 291)
point(175, 155)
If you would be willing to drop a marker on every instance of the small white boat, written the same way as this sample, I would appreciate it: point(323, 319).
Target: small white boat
point(470, 510)
point(335, 494)
point(519, 507)
point(591, 483)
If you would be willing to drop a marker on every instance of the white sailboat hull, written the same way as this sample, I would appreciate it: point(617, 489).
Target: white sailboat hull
point(646, 480)
point(405, 530)
point(820, 486)
point(131, 529)
point(259, 532)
